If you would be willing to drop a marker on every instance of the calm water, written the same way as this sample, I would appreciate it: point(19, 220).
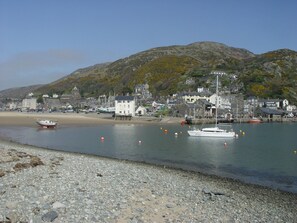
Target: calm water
point(266, 154)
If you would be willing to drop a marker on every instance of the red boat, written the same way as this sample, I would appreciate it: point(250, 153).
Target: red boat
point(254, 120)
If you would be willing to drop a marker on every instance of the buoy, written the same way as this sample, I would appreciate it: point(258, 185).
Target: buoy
point(236, 135)
point(139, 142)
point(243, 133)
point(176, 134)
point(295, 151)
point(161, 128)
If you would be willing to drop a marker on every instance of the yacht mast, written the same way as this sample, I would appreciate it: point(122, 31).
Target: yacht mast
point(217, 92)
point(217, 73)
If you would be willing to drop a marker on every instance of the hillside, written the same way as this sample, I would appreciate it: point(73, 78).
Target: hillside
point(160, 67)
point(20, 92)
point(271, 75)
point(175, 69)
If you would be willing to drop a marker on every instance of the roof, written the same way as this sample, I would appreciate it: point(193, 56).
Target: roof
point(124, 98)
point(272, 111)
point(270, 100)
point(190, 94)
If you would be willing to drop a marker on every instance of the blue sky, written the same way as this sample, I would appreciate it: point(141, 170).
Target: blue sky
point(42, 41)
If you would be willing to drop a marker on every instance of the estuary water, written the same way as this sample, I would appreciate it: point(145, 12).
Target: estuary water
point(264, 154)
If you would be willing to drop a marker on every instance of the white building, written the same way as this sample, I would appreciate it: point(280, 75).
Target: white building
point(223, 101)
point(45, 96)
point(55, 96)
point(274, 103)
point(12, 106)
point(192, 97)
point(141, 110)
point(291, 108)
point(29, 104)
point(124, 106)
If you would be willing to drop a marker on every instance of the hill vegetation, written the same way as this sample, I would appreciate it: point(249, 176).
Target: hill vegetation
point(19, 92)
point(174, 69)
point(165, 69)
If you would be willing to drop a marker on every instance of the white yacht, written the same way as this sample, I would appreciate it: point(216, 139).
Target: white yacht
point(214, 132)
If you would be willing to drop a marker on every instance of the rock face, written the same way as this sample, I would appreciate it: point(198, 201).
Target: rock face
point(17, 161)
point(35, 161)
point(21, 166)
point(2, 173)
point(79, 188)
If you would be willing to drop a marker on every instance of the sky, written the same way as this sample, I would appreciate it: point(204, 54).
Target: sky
point(44, 40)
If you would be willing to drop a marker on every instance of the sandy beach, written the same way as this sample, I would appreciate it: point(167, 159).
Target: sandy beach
point(29, 119)
point(39, 185)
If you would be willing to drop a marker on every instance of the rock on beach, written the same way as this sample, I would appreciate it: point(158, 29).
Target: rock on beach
point(51, 186)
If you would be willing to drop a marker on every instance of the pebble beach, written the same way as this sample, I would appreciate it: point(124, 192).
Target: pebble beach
point(39, 185)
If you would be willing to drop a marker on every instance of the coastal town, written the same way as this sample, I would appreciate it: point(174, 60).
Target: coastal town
point(148, 111)
point(198, 105)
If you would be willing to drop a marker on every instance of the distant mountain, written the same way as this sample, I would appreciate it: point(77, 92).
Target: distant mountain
point(173, 69)
point(20, 92)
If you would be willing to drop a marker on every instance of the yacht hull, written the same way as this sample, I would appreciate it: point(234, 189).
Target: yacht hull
point(212, 134)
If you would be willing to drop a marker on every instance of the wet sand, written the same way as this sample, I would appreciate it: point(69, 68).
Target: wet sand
point(29, 119)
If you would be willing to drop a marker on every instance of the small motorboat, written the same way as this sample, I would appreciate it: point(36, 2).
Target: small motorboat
point(45, 123)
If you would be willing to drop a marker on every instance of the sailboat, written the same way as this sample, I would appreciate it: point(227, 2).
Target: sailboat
point(213, 132)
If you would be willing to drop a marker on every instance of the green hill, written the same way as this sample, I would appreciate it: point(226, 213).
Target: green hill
point(167, 69)
point(271, 75)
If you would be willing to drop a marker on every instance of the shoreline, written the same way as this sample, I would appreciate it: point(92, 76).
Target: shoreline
point(75, 187)
point(143, 163)
point(29, 119)
point(126, 190)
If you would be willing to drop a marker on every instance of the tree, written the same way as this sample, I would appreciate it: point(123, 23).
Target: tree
point(40, 99)
point(257, 90)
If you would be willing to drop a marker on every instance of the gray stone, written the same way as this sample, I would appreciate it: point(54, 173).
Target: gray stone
point(50, 216)
point(58, 205)
point(122, 196)
point(11, 204)
point(169, 205)
point(14, 217)
point(206, 191)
